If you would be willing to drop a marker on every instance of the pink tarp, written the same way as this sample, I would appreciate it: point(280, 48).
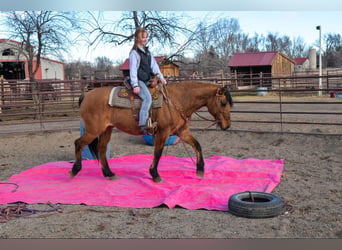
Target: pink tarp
point(224, 176)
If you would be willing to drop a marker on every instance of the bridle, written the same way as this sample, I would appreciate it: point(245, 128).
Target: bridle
point(186, 118)
point(216, 121)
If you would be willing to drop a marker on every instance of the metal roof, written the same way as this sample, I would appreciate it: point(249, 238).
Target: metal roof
point(300, 60)
point(252, 59)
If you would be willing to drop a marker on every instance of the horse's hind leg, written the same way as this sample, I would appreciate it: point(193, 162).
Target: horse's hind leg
point(188, 138)
point(80, 143)
point(102, 147)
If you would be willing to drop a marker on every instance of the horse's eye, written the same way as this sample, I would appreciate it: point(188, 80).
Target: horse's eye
point(223, 103)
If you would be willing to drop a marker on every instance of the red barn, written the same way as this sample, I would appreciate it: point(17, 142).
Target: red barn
point(13, 63)
point(168, 69)
point(272, 63)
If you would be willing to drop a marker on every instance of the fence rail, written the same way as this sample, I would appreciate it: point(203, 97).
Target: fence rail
point(289, 105)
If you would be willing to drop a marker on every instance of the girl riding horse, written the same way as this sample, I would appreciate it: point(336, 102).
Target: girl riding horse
point(182, 100)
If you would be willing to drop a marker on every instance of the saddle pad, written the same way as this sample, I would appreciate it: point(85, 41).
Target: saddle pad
point(127, 93)
point(120, 97)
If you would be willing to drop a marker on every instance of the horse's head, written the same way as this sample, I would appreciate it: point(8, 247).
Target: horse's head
point(219, 107)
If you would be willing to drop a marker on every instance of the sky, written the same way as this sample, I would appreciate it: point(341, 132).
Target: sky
point(290, 23)
point(292, 17)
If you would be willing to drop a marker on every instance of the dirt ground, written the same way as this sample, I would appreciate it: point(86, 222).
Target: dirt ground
point(311, 183)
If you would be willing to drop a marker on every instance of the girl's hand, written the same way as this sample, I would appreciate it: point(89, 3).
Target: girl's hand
point(136, 90)
point(163, 81)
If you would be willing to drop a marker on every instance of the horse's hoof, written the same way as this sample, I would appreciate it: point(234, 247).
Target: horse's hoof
point(157, 179)
point(200, 174)
point(71, 174)
point(113, 178)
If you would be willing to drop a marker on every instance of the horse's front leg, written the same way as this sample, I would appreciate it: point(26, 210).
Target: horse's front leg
point(158, 151)
point(186, 136)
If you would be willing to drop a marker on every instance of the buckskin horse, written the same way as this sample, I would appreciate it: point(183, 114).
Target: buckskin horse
point(181, 100)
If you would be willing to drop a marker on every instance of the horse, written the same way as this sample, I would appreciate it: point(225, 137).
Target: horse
point(181, 100)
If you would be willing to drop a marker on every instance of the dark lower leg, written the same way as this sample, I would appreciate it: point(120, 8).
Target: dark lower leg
point(187, 137)
point(107, 172)
point(153, 169)
point(200, 161)
point(103, 141)
point(78, 163)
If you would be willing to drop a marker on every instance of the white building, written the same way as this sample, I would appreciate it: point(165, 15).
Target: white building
point(13, 64)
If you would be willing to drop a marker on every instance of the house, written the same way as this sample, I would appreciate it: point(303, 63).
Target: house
point(307, 63)
point(301, 63)
point(14, 66)
point(167, 68)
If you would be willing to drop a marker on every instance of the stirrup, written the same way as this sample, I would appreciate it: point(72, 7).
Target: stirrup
point(150, 128)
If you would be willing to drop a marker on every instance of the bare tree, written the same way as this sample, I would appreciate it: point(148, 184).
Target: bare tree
point(209, 62)
point(272, 42)
point(40, 33)
point(79, 70)
point(103, 67)
point(298, 48)
point(292, 48)
point(202, 39)
point(216, 43)
point(333, 50)
point(225, 34)
point(163, 29)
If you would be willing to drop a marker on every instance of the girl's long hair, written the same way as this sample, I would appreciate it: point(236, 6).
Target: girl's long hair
point(137, 34)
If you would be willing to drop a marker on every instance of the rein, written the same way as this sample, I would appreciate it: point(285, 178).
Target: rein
point(168, 102)
point(214, 122)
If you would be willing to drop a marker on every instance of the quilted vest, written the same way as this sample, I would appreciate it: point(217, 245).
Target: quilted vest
point(144, 70)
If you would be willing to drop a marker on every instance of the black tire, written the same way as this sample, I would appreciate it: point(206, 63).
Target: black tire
point(255, 205)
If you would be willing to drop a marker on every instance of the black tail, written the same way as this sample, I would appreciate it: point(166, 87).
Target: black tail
point(93, 145)
point(93, 148)
point(80, 99)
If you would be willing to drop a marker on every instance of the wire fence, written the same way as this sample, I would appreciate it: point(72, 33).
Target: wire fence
point(295, 104)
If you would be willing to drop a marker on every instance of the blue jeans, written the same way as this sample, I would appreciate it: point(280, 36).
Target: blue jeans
point(146, 103)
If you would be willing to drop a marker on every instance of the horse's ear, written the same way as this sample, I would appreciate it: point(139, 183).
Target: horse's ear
point(227, 94)
point(222, 90)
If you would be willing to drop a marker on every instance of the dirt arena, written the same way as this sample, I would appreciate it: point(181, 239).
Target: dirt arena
point(311, 183)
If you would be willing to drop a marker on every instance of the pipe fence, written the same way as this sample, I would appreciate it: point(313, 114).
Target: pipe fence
point(292, 104)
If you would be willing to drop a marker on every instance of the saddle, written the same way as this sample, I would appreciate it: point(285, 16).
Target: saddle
point(122, 97)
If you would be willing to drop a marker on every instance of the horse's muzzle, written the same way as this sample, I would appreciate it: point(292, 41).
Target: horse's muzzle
point(223, 127)
point(226, 127)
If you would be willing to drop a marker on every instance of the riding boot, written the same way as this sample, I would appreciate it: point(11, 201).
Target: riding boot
point(144, 129)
